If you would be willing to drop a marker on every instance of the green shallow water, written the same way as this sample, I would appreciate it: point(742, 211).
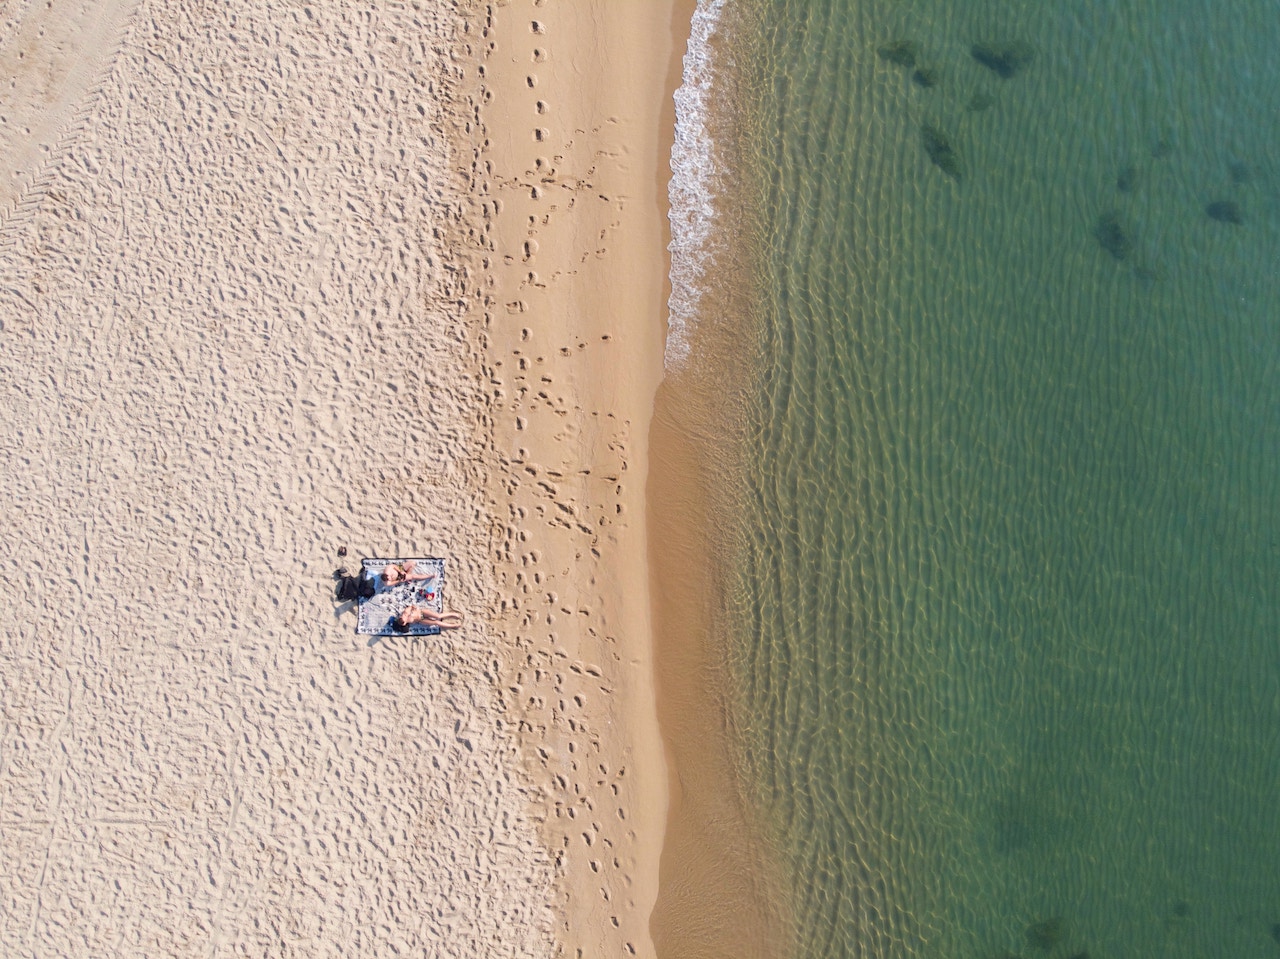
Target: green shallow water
point(1005, 622)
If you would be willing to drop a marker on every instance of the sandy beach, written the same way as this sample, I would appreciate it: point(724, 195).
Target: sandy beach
point(280, 279)
point(569, 169)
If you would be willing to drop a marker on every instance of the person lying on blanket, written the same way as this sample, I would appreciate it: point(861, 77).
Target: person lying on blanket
point(425, 616)
point(404, 573)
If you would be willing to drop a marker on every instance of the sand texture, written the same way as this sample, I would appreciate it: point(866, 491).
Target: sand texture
point(569, 174)
point(236, 332)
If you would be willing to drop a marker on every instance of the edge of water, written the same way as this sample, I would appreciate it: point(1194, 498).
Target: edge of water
point(720, 889)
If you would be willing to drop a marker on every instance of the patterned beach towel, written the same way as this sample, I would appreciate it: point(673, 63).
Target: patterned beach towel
point(375, 613)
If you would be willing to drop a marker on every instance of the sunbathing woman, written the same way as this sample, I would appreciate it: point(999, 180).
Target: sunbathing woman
point(394, 573)
point(425, 616)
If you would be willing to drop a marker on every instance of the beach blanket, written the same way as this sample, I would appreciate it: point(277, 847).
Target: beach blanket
point(375, 613)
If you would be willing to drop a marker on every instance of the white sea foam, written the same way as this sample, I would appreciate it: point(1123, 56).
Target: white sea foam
point(692, 192)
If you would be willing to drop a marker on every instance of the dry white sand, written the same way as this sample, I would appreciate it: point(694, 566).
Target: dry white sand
point(233, 336)
point(277, 277)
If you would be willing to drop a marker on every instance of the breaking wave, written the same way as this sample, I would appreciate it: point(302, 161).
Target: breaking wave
point(692, 194)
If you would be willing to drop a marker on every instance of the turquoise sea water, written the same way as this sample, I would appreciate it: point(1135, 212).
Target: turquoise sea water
point(1004, 626)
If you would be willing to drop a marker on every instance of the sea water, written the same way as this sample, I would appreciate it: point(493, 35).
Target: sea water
point(1003, 613)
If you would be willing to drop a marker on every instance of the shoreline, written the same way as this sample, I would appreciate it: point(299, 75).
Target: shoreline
point(724, 889)
point(721, 892)
point(571, 145)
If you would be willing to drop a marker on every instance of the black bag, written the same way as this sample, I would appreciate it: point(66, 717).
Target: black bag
point(352, 587)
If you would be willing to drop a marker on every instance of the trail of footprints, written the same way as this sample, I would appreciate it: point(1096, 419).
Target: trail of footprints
point(538, 180)
point(569, 507)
